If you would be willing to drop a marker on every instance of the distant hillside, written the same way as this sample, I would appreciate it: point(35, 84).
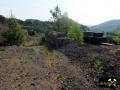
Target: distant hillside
point(109, 26)
point(85, 28)
point(35, 25)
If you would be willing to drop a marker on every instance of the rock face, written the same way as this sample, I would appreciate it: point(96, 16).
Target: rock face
point(56, 40)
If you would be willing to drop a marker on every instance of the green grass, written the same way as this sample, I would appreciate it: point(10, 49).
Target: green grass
point(2, 49)
point(51, 59)
point(43, 49)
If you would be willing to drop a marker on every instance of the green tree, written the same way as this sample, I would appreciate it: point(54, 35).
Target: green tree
point(61, 22)
point(56, 15)
point(15, 35)
point(117, 38)
point(65, 23)
point(75, 33)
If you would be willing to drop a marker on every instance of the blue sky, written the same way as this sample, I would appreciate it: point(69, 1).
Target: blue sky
point(88, 12)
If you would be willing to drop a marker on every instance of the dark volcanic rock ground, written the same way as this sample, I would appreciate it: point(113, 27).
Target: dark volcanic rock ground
point(68, 68)
point(85, 56)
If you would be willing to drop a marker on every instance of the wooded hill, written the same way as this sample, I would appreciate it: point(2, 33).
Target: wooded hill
point(35, 25)
point(109, 26)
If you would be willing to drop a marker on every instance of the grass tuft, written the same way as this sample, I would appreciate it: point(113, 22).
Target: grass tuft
point(98, 65)
point(2, 49)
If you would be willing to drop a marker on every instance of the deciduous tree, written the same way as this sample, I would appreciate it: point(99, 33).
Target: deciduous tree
point(15, 35)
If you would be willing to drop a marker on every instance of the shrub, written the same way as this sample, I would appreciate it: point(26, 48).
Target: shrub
point(75, 33)
point(15, 35)
point(117, 38)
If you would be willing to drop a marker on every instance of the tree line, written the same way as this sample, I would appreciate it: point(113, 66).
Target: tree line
point(18, 30)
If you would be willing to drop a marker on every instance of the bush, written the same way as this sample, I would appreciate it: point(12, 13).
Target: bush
point(117, 38)
point(15, 35)
point(75, 33)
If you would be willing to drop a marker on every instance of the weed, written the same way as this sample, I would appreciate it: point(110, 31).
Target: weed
point(61, 78)
point(98, 66)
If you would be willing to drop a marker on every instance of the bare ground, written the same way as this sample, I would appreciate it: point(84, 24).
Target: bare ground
point(69, 68)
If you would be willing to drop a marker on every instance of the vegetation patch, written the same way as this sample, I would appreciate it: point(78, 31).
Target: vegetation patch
point(75, 33)
point(42, 49)
point(15, 34)
point(1, 65)
point(98, 65)
point(117, 38)
point(2, 49)
point(52, 60)
point(34, 40)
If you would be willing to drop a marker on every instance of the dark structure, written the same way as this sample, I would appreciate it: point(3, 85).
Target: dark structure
point(94, 38)
point(59, 39)
point(56, 40)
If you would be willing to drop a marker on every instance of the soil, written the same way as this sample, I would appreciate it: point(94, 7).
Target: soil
point(84, 58)
point(71, 68)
